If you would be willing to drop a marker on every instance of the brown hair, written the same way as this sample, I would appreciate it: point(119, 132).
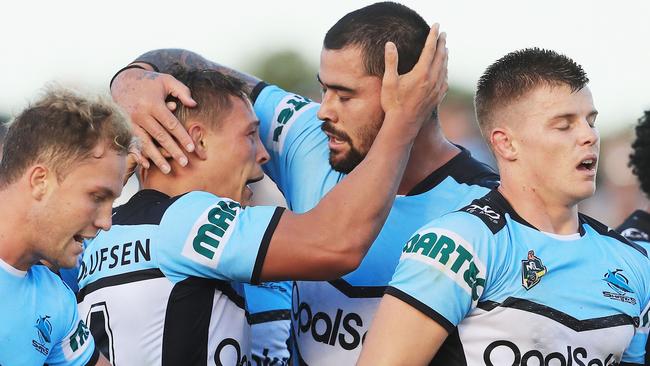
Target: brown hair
point(59, 129)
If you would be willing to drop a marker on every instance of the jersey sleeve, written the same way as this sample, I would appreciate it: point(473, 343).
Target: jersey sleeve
point(269, 306)
point(77, 346)
point(441, 271)
point(211, 237)
point(290, 131)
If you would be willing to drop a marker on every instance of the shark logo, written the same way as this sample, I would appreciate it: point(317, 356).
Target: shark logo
point(532, 270)
point(618, 282)
point(44, 328)
point(620, 285)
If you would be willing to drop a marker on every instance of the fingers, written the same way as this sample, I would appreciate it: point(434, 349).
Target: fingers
point(391, 61)
point(171, 126)
point(150, 150)
point(430, 47)
point(179, 90)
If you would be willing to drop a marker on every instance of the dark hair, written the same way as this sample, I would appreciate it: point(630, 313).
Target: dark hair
point(60, 129)
point(640, 156)
point(519, 72)
point(211, 90)
point(372, 26)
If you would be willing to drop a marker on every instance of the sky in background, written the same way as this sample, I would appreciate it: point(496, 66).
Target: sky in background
point(82, 43)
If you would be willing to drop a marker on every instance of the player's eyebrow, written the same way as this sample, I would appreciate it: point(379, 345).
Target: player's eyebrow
point(334, 86)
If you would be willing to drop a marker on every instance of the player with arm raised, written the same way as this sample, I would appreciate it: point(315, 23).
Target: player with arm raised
point(519, 277)
point(163, 285)
point(312, 148)
point(63, 163)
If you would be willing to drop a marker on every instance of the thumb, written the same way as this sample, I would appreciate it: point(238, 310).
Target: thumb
point(180, 91)
point(390, 64)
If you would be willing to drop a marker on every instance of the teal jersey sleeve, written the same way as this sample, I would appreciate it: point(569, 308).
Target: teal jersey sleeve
point(214, 237)
point(291, 132)
point(77, 346)
point(442, 270)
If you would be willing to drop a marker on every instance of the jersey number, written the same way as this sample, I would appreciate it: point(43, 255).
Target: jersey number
point(99, 323)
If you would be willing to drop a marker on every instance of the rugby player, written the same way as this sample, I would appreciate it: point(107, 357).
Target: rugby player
point(162, 285)
point(312, 149)
point(519, 277)
point(64, 161)
point(637, 226)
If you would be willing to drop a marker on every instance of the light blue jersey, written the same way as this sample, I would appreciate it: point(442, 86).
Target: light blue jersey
point(330, 319)
point(509, 294)
point(269, 307)
point(39, 323)
point(163, 285)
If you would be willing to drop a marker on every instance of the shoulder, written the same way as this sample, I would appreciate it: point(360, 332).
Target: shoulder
point(470, 171)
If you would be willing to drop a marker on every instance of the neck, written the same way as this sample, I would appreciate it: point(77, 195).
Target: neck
point(177, 182)
point(430, 151)
point(539, 208)
point(15, 248)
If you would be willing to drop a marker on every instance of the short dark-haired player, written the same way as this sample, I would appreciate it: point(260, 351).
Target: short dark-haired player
point(312, 148)
point(637, 226)
point(519, 277)
point(64, 158)
point(164, 284)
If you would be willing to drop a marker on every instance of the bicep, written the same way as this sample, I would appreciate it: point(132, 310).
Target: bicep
point(390, 340)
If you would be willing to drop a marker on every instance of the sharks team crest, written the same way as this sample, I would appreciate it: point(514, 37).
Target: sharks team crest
point(532, 270)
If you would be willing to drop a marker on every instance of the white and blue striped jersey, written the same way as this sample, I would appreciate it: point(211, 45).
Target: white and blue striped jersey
point(163, 285)
point(39, 323)
point(269, 308)
point(509, 294)
point(330, 319)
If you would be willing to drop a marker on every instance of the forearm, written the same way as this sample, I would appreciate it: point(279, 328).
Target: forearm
point(166, 60)
point(358, 206)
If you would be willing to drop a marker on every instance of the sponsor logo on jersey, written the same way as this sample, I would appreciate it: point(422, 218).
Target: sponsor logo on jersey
point(617, 281)
point(207, 239)
point(485, 210)
point(286, 113)
point(226, 350)
point(325, 329)
point(532, 270)
point(451, 255)
point(79, 337)
point(570, 355)
point(123, 254)
point(266, 360)
point(44, 332)
point(635, 234)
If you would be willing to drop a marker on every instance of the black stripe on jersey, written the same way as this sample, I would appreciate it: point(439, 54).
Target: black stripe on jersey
point(487, 305)
point(603, 229)
point(422, 307)
point(566, 319)
point(357, 291)
point(264, 245)
point(451, 352)
point(187, 322)
point(464, 169)
point(135, 276)
point(257, 90)
point(269, 316)
point(146, 207)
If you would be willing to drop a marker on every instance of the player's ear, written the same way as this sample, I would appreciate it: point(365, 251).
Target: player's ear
point(503, 144)
point(39, 178)
point(198, 133)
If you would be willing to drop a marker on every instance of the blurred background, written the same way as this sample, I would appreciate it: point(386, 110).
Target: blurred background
point(81, 44)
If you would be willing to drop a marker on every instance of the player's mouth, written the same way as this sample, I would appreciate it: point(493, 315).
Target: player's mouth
point(588, 165)
point(79, 239)
point(335, 139)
